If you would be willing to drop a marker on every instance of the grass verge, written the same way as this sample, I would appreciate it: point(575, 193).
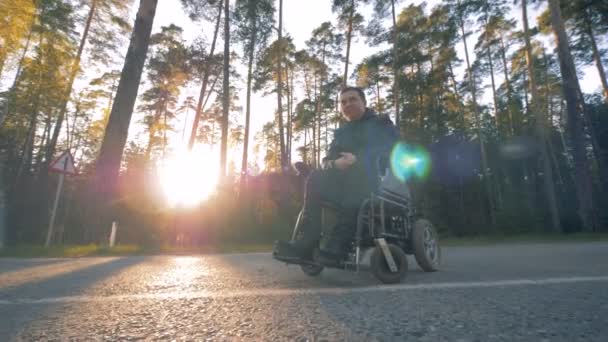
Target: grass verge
point(522, 238)
point(30, 251)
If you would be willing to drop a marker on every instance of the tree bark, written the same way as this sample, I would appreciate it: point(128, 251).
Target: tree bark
point(507, 85)
point(280, 90)
point(395, 71)
point(28, 146)
point(575, 109)
point(349, 33)
point(494, 97)
point(201, 96)
point(115, 137)
point(549, 185)
point(3, 205)
point(314, 125)
point(226, 92)
point(289, 114)
point(248, 105)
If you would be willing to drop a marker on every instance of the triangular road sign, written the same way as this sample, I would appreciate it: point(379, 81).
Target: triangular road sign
point(64, 164)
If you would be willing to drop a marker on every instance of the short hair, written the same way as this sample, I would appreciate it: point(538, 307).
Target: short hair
point(355, 89)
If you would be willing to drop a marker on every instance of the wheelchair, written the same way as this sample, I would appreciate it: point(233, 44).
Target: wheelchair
point(388, 229)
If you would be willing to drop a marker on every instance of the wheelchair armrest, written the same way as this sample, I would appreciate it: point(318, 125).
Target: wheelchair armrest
point(382, 165)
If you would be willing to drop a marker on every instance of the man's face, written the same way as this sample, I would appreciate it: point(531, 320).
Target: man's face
point(352, 105)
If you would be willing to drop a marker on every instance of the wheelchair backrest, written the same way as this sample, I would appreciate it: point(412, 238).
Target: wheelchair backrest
point(390, 184)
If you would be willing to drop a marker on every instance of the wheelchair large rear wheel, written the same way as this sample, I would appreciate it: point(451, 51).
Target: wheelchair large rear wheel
point(426, 245)
point(381, 269)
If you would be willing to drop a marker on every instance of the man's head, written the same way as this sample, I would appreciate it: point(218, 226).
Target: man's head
point(352, 103)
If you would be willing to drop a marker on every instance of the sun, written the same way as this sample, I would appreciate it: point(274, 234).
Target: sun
point(188, 178)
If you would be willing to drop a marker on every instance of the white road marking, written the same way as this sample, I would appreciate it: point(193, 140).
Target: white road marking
point(316, 291)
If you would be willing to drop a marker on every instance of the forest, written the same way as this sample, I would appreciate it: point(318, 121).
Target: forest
point(493, 94)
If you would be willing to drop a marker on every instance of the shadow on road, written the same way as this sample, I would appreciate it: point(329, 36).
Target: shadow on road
point(18, 317)
point(16, 264)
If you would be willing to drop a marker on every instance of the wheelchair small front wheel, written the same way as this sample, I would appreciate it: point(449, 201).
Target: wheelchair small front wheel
point(313, 270)
point(380, 267)
point(426, 245)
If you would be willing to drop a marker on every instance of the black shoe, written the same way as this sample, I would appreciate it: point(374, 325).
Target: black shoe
point(289, 251)
point(330, 259)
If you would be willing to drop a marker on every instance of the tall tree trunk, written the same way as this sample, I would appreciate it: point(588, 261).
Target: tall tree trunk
point(289, 113)
point(111, 99)
point(420, 97)
point(226, 92)
point(507, 85)
point(164, 131)
point(349, 34)
point(66, 96)
point(28, 145)
point(3, 205)
point(29, 142)
point(395, 70)
point(596, 55)
point(211, 90)
point(45, 138)
point(314, 126)
point(575, 108)
point(280, 89)
point(378, 96)
point(325, 138)
point(115, 137)
point(248, 106)
point(549, 185)
point(152, 133)
point(494, 97)
point(2, 60)
point(526, 103)
point(458, 97)
point(207, 71)
point(482, 145)
point(305, 156)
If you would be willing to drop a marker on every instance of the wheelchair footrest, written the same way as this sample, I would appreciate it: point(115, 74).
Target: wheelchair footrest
point(293, 260)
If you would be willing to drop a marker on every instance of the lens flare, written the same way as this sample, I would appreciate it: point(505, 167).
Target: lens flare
point(409, 161)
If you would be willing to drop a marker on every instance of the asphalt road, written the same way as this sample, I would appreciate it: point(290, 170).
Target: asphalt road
point(535, 292)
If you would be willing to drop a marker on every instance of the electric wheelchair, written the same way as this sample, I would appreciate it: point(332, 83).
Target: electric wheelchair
point(388, 229)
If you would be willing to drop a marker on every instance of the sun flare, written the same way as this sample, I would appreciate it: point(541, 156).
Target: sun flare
point(188, 178)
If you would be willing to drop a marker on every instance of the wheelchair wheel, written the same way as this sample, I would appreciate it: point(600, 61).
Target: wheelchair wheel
point(381, 269)
point(312, 270)
point(426, 245)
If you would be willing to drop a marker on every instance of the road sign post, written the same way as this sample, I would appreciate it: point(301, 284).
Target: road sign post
point(113, 234)
point(64, 165)
point(3, 210)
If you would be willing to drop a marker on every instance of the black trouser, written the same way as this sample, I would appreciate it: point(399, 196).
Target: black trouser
point(340, 190)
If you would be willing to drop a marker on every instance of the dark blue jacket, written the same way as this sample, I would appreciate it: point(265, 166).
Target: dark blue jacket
point(368, 139)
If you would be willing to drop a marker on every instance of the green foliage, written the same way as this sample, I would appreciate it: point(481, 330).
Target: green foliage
point(16, 19)
point(167, 73)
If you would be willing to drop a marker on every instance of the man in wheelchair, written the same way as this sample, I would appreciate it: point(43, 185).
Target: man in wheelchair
point(349, 174)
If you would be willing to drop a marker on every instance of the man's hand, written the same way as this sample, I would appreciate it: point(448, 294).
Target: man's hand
point(345, 161)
